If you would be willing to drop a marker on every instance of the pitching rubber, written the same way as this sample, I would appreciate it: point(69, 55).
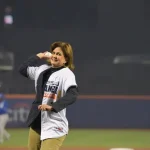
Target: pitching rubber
point(121, 149)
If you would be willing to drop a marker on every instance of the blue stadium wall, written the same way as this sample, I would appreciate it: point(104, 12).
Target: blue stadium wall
point(90, 111)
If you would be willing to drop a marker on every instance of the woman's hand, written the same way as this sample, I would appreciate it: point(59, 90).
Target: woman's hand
point(45, 107)
point(45, 55)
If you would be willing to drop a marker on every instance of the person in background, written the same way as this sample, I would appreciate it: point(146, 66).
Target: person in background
point(56, 88)
point(4, 118)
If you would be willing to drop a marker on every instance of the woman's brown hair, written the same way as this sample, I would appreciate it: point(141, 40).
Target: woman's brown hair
point(67, 51)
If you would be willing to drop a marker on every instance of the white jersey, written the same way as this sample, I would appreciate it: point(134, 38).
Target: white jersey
point(53, 125)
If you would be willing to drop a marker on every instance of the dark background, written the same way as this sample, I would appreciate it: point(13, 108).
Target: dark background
point(98, 30)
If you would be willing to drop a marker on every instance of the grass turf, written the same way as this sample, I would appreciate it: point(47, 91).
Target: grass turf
point(89, 138)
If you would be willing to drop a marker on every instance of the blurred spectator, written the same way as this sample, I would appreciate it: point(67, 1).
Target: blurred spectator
point(4, 118)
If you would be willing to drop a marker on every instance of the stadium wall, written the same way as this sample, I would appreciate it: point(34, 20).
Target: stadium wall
point(99, 111)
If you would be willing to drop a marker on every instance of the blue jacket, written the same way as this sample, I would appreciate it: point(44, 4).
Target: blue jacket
point(3, 105)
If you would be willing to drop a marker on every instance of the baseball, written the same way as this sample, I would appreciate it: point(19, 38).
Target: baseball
point(48, 54)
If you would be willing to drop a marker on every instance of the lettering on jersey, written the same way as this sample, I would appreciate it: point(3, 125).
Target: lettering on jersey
point(60, 129)
point(50, 95)
point(51, 89)
point(52, 86)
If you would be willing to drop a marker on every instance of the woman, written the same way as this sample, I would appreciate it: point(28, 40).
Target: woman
point(56, 88)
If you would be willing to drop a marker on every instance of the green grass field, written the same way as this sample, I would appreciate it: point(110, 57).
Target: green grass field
point(89, 138)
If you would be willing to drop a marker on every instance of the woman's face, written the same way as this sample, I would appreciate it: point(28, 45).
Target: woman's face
point(57, 58)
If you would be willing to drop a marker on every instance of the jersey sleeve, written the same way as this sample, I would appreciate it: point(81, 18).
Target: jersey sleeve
point(69, 81)
point(31, 72)
point(28, 68)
